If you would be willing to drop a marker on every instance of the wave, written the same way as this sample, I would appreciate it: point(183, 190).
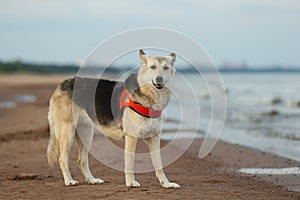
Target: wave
point(203, 96)
point(274, 101)
point(250, 101)
point(281, 135)
point(26, 98)
point(245, 118)
point(270, 101)
point(18, 99)
point(271, 113)
point(294, 104)
point(7, 105)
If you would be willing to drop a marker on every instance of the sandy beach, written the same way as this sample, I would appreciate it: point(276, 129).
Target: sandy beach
point(25, 174)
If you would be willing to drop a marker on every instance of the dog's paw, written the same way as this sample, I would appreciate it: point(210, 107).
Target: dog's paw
point(71, 183)
point(95, 181)
point(133, 184)
point(170, 185)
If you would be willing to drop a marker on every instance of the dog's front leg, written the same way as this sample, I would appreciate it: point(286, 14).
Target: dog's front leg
point(130, 146)
point(154, 148)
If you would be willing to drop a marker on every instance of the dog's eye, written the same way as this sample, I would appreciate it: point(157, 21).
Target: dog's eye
point(166, 67)
point(153, 67)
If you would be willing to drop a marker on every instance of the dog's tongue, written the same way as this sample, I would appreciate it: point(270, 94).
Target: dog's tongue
point(159, 86)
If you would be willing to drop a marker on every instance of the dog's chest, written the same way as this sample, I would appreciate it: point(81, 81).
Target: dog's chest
point(150, 127)
point(141, 127)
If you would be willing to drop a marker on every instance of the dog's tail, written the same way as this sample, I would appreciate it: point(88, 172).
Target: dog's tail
point(53, 146)
point(53, 150)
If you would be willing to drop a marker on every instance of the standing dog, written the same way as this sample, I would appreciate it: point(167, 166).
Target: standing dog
point(131, 109)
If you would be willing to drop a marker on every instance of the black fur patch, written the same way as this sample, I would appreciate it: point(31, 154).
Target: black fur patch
point(101, 111)
point(107, 96)
point(106, 106)
point(67, 86)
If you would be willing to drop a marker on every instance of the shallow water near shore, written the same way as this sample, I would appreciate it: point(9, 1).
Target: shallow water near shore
point(262, 111)
point(14, 101)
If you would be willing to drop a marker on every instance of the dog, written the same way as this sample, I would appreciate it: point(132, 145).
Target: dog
point(130, 109)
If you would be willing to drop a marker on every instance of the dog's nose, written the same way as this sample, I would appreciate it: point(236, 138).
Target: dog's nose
point(159, 79)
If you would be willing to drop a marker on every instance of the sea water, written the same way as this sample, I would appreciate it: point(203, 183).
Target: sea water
point(263, 110)
point(12, 102)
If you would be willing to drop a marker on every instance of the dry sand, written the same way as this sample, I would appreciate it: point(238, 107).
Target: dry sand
point(25, 174)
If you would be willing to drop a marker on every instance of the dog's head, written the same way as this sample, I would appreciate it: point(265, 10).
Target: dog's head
point(156, 70)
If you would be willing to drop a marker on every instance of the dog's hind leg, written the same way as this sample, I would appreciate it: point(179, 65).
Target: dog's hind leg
point(53, 145)
point(130, 146)
point(84, 139)
point(66, 139)
point(154, 148)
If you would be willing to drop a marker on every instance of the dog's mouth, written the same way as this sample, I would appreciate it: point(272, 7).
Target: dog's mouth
point(158, 85)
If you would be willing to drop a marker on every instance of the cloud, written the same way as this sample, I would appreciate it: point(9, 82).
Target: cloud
point(66, 9)
point(231, 29)
point(136, 10)
point(35, 9)
point(221, 6)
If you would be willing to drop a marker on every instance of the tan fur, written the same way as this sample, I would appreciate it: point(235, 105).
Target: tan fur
point(60, 111)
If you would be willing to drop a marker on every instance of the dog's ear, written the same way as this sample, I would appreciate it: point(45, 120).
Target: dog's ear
point(172, 57)
point(143, 57)
point(141, 52)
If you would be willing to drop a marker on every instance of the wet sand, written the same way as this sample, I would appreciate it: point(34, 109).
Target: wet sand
point(25, 174)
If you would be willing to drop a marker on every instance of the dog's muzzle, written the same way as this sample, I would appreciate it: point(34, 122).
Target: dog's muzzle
point(159, 82)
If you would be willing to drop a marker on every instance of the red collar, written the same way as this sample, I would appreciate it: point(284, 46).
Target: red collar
point(138, 108)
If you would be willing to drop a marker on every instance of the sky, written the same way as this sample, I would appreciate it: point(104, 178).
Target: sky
point(233, 32)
